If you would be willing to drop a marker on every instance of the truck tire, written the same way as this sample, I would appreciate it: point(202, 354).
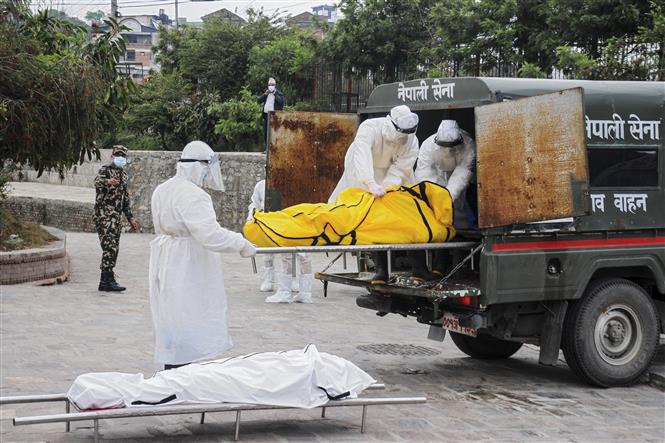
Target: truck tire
point(610, 335)
point(484, 346)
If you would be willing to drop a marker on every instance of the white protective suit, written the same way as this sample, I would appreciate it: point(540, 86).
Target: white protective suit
point(381, 156)
point(302, 378)
point(257, 203)
point(449, 166)
point(286, 284)
point(187, 296)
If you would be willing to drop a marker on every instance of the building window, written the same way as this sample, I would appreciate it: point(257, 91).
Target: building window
point(131, 55)
point(623, 168)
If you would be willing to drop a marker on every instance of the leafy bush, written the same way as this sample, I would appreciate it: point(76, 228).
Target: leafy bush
point(240, 122)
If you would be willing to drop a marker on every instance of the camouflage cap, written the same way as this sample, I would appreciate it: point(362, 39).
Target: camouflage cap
point(119, 149)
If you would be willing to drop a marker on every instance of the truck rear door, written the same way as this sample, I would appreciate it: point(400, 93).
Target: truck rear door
point(306, 156)
point(531, 159)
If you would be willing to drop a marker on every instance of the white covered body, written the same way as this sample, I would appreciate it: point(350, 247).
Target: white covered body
point(303, 378)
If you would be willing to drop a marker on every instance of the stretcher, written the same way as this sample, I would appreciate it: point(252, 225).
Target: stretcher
point(446, 287)
point(148, 411)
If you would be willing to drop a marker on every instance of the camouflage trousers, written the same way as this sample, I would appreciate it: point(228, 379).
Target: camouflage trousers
point(109, 239)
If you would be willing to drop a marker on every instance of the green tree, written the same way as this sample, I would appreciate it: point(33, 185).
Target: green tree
point(95, 16)
point(57, 91)
point(289, 59)
point(240, 122)
point(385, 37)
point(473, 36)
point(155, 105)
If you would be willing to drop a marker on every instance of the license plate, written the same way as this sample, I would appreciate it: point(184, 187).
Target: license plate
point(450, 322)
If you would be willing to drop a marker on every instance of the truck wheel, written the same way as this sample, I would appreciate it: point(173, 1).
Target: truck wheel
point(610, 335)
point(484, 346)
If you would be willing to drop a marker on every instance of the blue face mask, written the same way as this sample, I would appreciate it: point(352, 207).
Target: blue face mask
point(120, 161)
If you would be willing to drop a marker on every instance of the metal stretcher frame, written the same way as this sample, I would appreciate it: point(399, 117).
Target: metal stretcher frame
point(202, 409)
point(343, 249)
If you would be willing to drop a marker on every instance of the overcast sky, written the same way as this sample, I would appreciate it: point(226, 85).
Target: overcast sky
point(191, 10)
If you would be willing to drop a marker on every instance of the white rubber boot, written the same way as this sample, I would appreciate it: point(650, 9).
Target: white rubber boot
point(283, 294)
point(267, 284)
point(305, 294)
point(295, 285)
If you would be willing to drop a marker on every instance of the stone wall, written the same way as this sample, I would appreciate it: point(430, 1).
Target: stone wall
point(146, 170)
point(80, 175)
point(241, 171)
point(63, 214)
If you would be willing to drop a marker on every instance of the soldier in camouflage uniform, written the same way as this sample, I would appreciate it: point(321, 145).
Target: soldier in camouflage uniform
point(111, 201)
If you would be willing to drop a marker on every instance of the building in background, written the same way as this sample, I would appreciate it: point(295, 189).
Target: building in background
point(142, 35)
point(327, 11)
point(225, 14)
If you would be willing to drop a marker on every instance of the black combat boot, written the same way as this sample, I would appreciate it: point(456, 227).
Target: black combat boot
point(381, 268)
point(107, 283)
point(419, 269)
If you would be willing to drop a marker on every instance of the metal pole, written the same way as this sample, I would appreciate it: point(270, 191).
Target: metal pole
point(176, 14)
point(362, 422)
point(97, 431)
point(237, 434)
point(344, 259)
point(323, 412)
point(390, 266)
point(293, 266)
point(254, 265)
point(67, 409)
point(203, 417)
point(114, 9)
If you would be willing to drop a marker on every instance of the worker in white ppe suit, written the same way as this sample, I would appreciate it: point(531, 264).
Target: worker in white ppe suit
point(187, 296)
point(382, 155)
point(448, 159)
point(289, 289)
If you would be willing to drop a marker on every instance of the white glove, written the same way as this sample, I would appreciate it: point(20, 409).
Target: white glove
point(377, 190)
point(249, 250)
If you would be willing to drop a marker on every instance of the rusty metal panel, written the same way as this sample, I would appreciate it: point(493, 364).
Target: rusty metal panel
point(306, 156)
point(531, 159)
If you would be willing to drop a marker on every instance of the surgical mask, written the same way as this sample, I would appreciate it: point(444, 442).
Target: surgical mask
point(271, 88)
point(120, 161)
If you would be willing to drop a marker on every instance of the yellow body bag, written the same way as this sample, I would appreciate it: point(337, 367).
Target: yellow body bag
point(419, 213)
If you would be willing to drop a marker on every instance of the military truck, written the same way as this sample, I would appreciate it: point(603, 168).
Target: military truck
point(569, 251)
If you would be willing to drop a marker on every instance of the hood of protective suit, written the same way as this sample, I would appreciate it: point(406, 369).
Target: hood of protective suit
point(200, 165)
point(400, 123)
point(449, 134)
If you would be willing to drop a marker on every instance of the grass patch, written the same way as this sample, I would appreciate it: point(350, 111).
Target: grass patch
point(30, 235)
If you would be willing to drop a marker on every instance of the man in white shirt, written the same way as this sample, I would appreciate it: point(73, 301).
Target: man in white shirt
point(273, 100)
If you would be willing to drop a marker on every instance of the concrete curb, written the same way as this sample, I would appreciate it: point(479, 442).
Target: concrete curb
point(47, 265)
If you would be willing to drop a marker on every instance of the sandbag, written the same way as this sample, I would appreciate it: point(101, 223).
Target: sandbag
point(419, 213)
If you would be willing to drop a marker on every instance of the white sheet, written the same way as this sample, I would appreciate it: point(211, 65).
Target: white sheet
point(291, 378)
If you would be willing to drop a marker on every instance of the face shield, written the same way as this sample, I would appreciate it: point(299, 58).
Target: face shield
point(200, 165)
point(402, 123)
point(449, 134)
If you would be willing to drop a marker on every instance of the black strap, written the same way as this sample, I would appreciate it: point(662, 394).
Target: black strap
point(423, 194)
point(160, 402)
point(335, 397)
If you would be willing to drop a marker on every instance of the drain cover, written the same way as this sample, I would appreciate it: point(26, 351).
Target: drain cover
point(395, 349)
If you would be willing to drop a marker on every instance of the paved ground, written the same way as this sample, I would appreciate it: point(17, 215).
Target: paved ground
point(52, 192)
point(49, 335)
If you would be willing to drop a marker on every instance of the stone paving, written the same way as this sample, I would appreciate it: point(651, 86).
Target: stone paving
point(51, 334)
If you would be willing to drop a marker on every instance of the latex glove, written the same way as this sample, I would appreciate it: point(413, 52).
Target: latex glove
point(377, 190)
point(249, 250)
